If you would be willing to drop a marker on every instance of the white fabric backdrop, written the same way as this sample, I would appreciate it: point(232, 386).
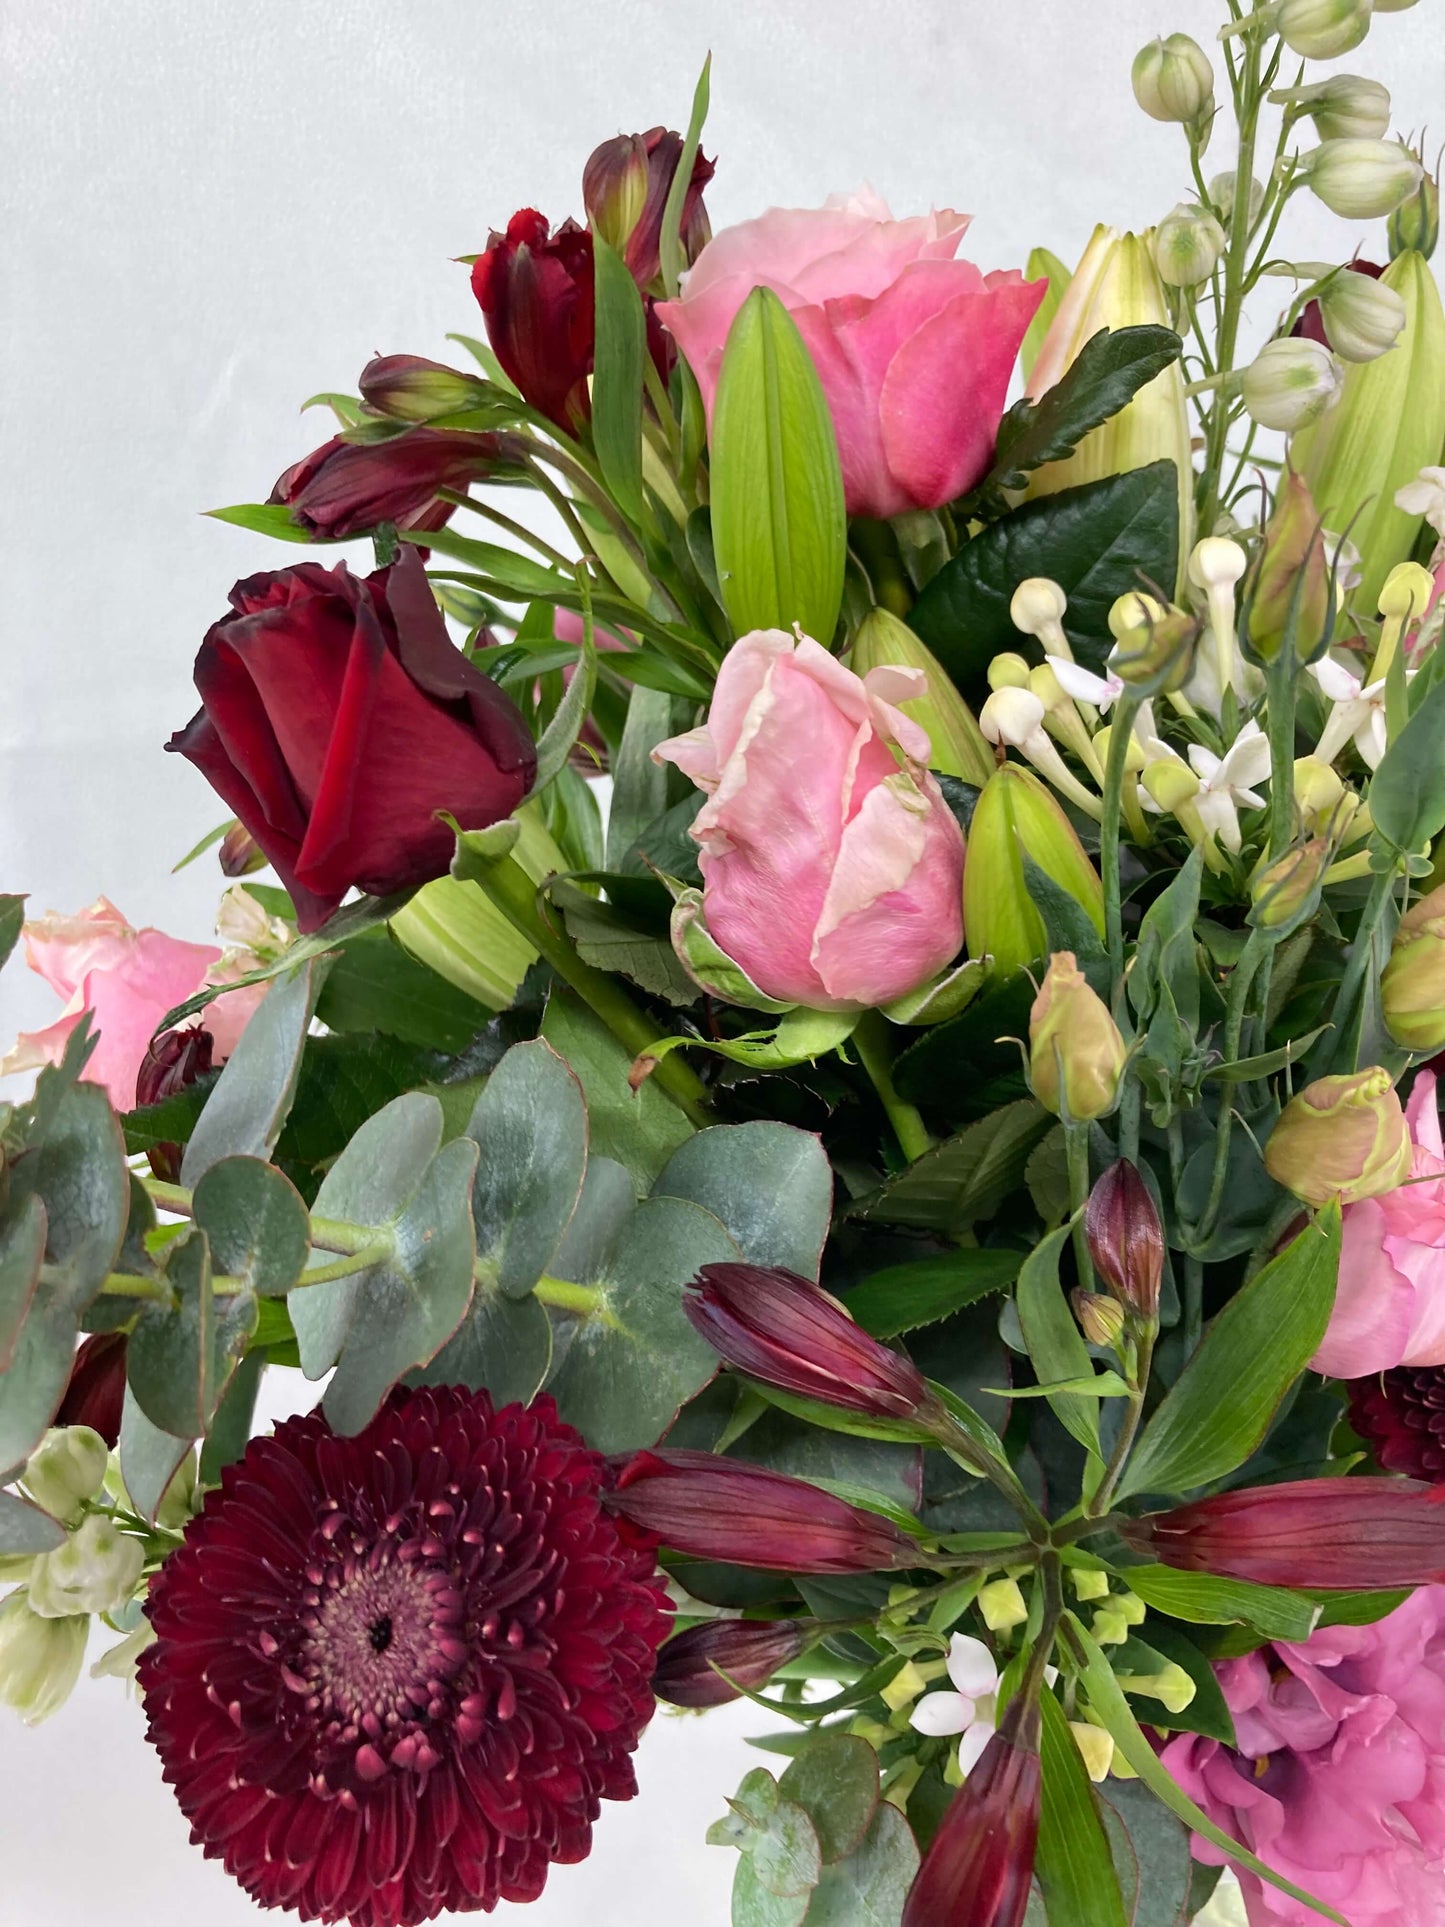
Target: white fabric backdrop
point(213, 210)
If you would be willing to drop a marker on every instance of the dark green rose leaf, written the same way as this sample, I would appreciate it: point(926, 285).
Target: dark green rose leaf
point(965, 1178)
point(641, 1128)
point(374, 984)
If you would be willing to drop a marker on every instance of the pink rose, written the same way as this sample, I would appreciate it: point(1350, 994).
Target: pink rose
point(1338, 1779)
point(833, 868)
point(914, 349)
point(1390, 1300)
point(128, 979)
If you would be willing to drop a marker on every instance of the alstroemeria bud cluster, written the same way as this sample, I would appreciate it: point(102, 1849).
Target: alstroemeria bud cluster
point(1126, 1238)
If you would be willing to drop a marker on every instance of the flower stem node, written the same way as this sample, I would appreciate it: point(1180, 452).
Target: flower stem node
point(66, 1471)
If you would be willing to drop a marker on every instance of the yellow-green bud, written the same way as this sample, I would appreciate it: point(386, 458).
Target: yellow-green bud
point(1110, 1627)
point(1321, 29)
point(1132, 1607)
point(1076, 1054)
point(1100, 1319)
point(1096, 1747)
point(1319, 790)
point(1289, 584)
point(1290, 382)
point(1406, 593)
point(1412, 988)
point(904, 1687)
point(1343, 1137)
point(40, 1659)
point(1362, 180)
point(1008, 671)
point(1173, 80)
point(1187, 246)
point(1415, 224)
point(1344, 107)
point(1153, 645)
point(1018, 816)
point(1087, 1583)
point(957, 747)
point(1172, 1686)
point(96, 1570)
point(1363, 317)
point(1002, 1605)
point(1284, 893)
point(1170, 784)
point(65, 1470)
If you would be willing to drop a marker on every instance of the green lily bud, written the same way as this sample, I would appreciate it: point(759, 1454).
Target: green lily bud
point(1187, 246)
point(1362, 180)
point(1342, 1137)
point(1017, 816)
point(1173, 80)
point(1415, 224)
point(1344, 107)
point(95, 1571)
point(65, 1470)
point(1388, 424)
point(1076, 1054)
point(40, 1659)
point(1288, 585)
point(957, 744)
point(1290, 383)
point(1412, 989)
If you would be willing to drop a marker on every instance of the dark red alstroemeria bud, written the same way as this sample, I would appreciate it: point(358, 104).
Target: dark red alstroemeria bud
point(782, 1330)
point(338, 718)
point(240, 853)
point(749, 1651)
point(535, 292)
point(625, 185)
point(1402, 1414)
point(347, 488)
point(172, 1063)
point(1126, 1239)
point(96, 1392)
point(716, 1508)
point(1354, 1535)
point(410, 388)
point(980, 1867)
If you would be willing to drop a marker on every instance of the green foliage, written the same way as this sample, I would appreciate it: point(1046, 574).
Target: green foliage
point(1056, 1347)
point(966, 1178)
point(256, 1223)
point(12, 918)
point(900, 1298)
point(640, 1129)
point(246, 1110)
point(25, 1529)
point(770, 1186)
point(617, 383)
point(375, 985)
point(1204, 1599)
point(185, 1346)
point(149, 1457)
point(1407, 792)
point(1074, 1865)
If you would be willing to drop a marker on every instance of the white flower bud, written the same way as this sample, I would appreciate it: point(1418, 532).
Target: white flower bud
point(66, 1469)
point(1173, 79)
point(1290, 382)
point(1322, 29)
point(1008, 671)
point(1362, 180)
point(1011, 716)
point(1344, 107)
point(40, 1659)
point(1217, 562)
point(1187, 245)
point(1037, 605)
point(96, 1570)
point(1363, 317)
point(1221, 195)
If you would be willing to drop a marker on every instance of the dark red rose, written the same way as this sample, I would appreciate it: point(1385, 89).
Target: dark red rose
point(394, 1675)
point(535, 292)
point(625, 185)
point(1311, 323)
point(1402, 1414)
point(347, 488)
point(96, 1392)
point(172, 1063)
point(337, 718)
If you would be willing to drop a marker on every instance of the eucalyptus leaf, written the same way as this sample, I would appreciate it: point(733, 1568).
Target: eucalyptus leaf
point(12, 921)
point(149, 1458)
point(77, 1170)
point(530, 1127)
point(869, 1887)
point(835, 1780)
point(25, 1530)
point(246, 1111)
point(503, 1346)
point(770, 1185)
point(257, 1225)
point(1160, 1848)
point(183, 1350)
point(22, 1252)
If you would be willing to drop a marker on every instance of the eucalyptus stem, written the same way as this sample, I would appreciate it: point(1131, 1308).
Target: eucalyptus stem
point(1076, 1150)
point(873, 1046)
point(583, 1301)
point(1120, 730)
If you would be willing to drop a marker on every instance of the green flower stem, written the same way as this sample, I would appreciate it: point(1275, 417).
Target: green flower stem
point(507, 885)
point(1281, 750)
point(1247, 93)
point(1353, 982)
point(966, 1453)
point(1076, 1149)
point(876, 1056)
point(1193, 1304)
point(1239, 985)
point(1120, 729)
point(1099, 1502)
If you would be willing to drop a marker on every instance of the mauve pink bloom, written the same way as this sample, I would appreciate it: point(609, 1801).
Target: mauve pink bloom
point(1338, 1779)
point(832, 874)
point(1390, 1300)
point(914, 349)
point(128, 979)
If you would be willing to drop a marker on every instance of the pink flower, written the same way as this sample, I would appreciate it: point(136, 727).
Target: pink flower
point(832, 867)
point(914, 349)
point(128, 979)
point(1390, 1301)
point(1338, 1779)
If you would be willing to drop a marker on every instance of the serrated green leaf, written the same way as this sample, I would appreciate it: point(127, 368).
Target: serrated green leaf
point(607, 939)
point(965, 1178)
point(376, 985)
point(904, 1297)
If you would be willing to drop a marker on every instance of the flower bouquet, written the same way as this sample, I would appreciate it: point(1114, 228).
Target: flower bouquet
point(919, 1201)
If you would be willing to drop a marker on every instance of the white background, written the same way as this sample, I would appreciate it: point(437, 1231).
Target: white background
point(214, 208)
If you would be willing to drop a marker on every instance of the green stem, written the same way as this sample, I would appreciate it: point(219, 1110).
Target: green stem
point(1120, 730)
point(506, 884)
point(583, 1301)
point(1076, 1149)
point(1239, 984)
point(873, 1046)
point(1341, 1043)
point(1236, 261)
point(513, 528)
point(1193, 1303)
point(1281, 751)
point(1100, 1501)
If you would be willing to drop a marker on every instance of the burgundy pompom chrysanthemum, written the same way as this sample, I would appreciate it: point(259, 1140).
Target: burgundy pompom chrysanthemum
point(397, 1673)
point(1402, 1414)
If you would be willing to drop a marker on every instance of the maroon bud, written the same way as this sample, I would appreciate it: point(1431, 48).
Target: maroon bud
point(535, 292)
point(346, 488)
point(240, 852)
point(749, 1651)
point(780, 1329)
point(96, 1391)
point(412, 389)
point(625, 186)
point(1126, 1240)
point(1350, 1534)
point(172, 1063)
point(716, 1508)
point(980, 1867)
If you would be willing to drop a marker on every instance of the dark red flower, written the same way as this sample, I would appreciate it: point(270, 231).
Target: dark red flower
point(1126, 1239)
point(535, 292)
point(980, 1867)
point(1311, 323)
point(410, 388)
point(625, 185)
point(96, 1392)
point(782, 1330)
point(1402, 1414)
point(172, 1063)
point(346, 488)
point(1318, 1534)
point(395, 1674)
point(338, 718)
point(717, 1508)
point(749, 1651)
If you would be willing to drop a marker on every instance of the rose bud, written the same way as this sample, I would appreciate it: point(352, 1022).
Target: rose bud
point(338, 718)
point(778, 1328)
point(1018, 816)
point(1076, 1054)
point(240, 854)
point(820, 804)
point(96, 1392)
point(411, 389)
point(717, 1508)
point(980, 1867)
point(172, 1063)
point(347, 488)
point(1342, 1137)
point(535, 292)
point(625, 185)
point(1348, 1534)
point(749, 1651)
point(1126, 1239)
point(1283, 894)
point(1412, 989)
